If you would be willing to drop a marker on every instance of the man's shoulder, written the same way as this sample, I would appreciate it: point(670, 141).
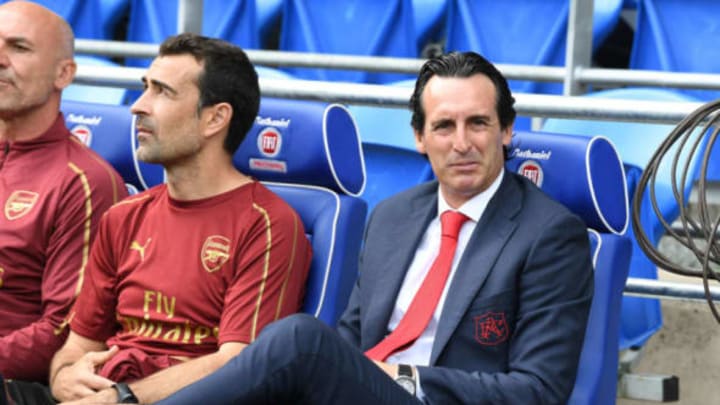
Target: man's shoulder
point(136, 202)
point(83, 160)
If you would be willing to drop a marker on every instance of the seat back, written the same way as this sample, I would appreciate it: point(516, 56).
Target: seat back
point(636, 142)
point(94, 94)
point(392, 162)
point(110, 131)
point(596, 380)
point(309, 153)
point(154, 20)
point(586, 175)
point(356, 27)
point(673, 36)
point(86, 17)
point(526, 32)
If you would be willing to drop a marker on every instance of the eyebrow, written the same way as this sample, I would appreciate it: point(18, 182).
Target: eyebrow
point(161, 84)
point(20, 41)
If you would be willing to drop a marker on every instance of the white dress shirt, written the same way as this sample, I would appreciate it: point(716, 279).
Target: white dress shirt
point(419, 352)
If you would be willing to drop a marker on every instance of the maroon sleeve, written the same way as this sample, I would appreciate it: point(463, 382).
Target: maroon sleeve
point(270, 281)
point(26, 353)
point(93, 315)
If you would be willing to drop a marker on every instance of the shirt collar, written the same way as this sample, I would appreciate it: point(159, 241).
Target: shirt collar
point(474, 207)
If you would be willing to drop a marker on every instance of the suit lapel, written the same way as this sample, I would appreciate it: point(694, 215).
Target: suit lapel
point(402, 241)
point(490, 235)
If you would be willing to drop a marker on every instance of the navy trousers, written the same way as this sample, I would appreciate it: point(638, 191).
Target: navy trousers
point(297, 360)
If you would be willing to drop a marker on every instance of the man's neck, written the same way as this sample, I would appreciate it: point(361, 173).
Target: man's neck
point(27, 125)
point(203, 179)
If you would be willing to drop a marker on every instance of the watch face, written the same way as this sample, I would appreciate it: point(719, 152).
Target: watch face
point(407, 383)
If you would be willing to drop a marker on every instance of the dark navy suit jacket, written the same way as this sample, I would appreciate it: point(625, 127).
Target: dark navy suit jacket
point(514, 319)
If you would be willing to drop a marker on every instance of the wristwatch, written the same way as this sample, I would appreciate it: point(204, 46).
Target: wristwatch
point(405, 378)
point(125, 394)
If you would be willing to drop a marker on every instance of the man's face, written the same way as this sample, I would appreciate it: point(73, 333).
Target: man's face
point(462, 135)
point(168, 124)
point(30, 63)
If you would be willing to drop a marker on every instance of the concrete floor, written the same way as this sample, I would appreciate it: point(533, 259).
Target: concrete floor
point(687, 346)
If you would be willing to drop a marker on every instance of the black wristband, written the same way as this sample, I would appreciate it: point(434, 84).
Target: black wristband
point(125, 394)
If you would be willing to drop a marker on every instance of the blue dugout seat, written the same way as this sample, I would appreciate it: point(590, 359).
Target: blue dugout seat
point(526, 32)
point(636, 142)
point(392, 162)
point(90, 19)
point(154, 20)
point(355, 27)
point(596, 192)
point(677, 36)
point(110, 131)
point(307, 152)
point(429, 17)
point(94, 94)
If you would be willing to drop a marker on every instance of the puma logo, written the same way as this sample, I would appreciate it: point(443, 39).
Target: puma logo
point(140, 248)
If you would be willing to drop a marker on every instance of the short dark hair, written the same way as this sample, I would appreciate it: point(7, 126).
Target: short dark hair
point(227, 76)
point(462, 64)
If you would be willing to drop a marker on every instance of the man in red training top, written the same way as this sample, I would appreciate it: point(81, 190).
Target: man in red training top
point(183, 276)
point(53, 191)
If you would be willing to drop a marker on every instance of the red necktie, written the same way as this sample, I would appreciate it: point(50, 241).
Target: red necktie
point(423, 305)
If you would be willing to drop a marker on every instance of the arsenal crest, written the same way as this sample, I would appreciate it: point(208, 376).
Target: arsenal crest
point(215, 252)
point(491, 328)
point(19, 203)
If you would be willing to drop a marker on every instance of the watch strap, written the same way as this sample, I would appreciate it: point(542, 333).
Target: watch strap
point(405, 370)
point(125, 394)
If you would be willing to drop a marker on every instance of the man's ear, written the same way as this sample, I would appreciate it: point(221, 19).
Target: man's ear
point(419, 144)
point(65, 73)
point(218, 118)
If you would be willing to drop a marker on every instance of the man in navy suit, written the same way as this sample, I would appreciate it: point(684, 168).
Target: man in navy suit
point(510, 323)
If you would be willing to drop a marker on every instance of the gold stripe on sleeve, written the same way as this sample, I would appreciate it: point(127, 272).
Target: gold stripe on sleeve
point(291, 262)
point(86, 233)
point(266, 269)
point(105, 165)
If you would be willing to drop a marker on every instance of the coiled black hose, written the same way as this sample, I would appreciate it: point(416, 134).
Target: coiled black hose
point(687, 138)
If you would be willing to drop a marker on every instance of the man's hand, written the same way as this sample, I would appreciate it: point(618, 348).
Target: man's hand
point(107, 396)
point(80, 380)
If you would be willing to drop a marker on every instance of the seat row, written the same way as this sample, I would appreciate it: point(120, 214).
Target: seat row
point(310, 154)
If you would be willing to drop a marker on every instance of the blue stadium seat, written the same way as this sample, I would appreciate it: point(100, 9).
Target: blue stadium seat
point(268, 18)
point(676, 36)
point(356, 27)
point(528, 32)
point(154, 20)
point(430, 16)
point(109, 130)
point(598, 194)
point(94, 94)
point(392, 162)
point(636, 143)
point(82, 15)
point(309, 153)
point(596, 381)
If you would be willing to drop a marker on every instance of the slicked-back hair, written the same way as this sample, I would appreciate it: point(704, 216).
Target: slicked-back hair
point(226, 76)
point(462, 65)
